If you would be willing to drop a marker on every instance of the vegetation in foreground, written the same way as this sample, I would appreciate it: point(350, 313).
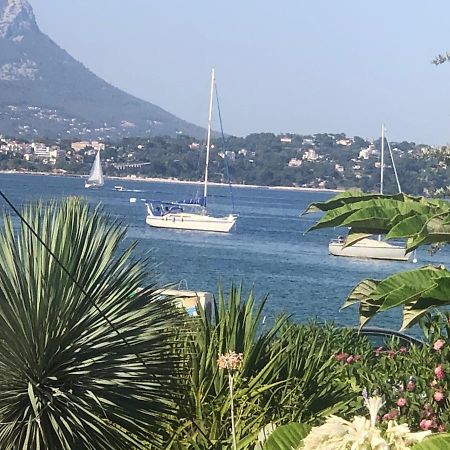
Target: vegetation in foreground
point(148, 377)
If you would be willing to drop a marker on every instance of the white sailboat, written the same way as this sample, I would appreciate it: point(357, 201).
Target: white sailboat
point(191, 214)
point(368, 247)
point(96, 175)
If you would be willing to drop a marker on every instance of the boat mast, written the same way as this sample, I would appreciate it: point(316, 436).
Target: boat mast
point(208, 140)
point(382, 160)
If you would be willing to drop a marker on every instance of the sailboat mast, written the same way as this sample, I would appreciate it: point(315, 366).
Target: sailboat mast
point(382, 160)
point(208, 139)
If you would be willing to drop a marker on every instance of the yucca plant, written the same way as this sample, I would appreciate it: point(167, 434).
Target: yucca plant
point(205, 415)
point(85, 365)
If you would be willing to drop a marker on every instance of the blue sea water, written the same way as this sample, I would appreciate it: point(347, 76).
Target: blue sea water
point(269, 251)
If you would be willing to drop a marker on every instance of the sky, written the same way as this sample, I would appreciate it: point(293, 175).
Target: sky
point(290, 66)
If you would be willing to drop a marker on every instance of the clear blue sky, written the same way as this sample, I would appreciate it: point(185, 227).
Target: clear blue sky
point(287, 66)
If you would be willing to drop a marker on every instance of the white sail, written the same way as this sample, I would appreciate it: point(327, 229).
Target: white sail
point(96, 174)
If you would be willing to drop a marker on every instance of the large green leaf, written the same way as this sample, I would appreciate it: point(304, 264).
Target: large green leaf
point(287, 437)
point(435, 442)
point(408, 226)
point(362, 294)
point(397, 215)
point(338, 200)
point(416, 291)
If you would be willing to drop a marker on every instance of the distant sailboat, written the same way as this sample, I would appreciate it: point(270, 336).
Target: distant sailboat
point(368, 247)
point(191, 214)
point(96, 175)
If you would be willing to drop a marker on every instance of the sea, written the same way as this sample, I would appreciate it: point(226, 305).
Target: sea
point(270, 253)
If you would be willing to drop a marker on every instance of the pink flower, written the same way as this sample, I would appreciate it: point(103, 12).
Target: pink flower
point(403, 350)
point(393, 413)
point(386, 417)
point(410, 386)
point(229, 361)
point(391, 354)
point(439, 372)
point(350, 359)
point(434, 383)
point(438, 396)
point(401, 402)
point(341, 357)
point(439, 344)
point(357, 358)
point(425, 424)
point(441, 428)
point(378, 351)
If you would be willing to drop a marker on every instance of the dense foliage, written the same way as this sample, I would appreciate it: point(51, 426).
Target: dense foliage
point(287, 373)
point(263, 159)
point(419, 221)
point(148, 375)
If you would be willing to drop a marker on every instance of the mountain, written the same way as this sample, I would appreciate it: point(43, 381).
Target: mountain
point(46, 92)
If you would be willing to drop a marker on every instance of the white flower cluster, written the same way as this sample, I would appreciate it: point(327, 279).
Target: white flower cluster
point(361, 433)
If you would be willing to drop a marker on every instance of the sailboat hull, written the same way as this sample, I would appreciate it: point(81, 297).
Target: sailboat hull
point(369, 249)
point(92, 185)
point(195, 222)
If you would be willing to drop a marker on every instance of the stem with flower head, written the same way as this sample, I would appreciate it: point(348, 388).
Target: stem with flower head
point(233, 428)
point(230, 362)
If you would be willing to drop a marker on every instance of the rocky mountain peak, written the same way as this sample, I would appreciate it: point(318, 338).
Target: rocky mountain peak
point(16, 18)
point(46, 92)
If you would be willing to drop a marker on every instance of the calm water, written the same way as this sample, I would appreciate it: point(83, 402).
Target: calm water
point(269, 250)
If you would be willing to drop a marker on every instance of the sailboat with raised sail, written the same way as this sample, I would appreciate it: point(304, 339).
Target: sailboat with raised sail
point(96, 175)
point(191, 214)
point(368, 247)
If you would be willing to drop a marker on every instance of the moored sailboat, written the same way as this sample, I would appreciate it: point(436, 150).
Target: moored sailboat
point(191, 214)
point(368, 247)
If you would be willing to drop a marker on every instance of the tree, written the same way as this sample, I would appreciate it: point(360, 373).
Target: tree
point(418, 220)
point(88, 364)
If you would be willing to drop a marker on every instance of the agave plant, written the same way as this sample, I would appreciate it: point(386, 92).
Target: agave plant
point(418, 220)
point(85, 364)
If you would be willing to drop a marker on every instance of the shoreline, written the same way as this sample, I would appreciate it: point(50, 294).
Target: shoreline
point(174, 181)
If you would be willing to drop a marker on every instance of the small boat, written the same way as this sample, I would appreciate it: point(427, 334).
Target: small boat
point(119, 188)
point(191, 214)
point(370, 248)
point(95, 178)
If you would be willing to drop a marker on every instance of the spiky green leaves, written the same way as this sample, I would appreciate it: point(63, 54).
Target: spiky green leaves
point(67, 378)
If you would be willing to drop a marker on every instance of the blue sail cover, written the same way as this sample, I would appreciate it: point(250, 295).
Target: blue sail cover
point(201, 201)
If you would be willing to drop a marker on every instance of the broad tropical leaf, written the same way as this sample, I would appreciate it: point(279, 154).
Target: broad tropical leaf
point(68, 378)
point(338, 200)
point(397, 216)
point(362, 294)
point(287, 437)
point(435, 442)
point(416, 291)
point(418, 220)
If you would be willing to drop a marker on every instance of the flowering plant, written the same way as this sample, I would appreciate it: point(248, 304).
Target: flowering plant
point(362, 433)
point(231, 362)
